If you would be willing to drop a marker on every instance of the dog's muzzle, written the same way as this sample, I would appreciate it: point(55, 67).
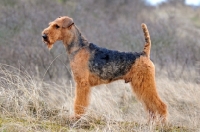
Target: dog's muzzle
point(45, 37)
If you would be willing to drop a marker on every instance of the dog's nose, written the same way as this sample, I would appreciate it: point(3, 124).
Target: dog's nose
point(44, 36)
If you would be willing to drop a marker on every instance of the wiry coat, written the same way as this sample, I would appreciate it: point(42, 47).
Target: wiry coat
point(92, 65)
point(110, 64)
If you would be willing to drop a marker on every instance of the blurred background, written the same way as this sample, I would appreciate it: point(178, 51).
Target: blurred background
point(174, 27)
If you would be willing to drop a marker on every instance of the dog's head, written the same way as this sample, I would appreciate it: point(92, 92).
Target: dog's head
point(59, 29)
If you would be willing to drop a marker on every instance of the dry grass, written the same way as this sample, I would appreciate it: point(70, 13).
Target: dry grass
point(29, 104)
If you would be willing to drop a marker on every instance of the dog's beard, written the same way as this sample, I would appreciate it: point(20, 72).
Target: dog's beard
point(49, 45)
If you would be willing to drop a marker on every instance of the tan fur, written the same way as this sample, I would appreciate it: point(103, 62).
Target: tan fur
point(141, 75)
point(147, 46)
point(81, 76)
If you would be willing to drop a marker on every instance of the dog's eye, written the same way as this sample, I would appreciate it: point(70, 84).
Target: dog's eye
point(57, 26)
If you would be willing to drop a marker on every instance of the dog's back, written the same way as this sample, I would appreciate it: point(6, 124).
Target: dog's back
point(110, 64)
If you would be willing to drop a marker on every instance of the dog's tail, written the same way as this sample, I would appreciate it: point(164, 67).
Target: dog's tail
point(147, 46)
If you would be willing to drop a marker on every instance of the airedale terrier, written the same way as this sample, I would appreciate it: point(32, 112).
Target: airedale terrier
point(92, 65)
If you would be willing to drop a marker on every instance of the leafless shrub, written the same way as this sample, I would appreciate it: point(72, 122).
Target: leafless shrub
point(110, 24)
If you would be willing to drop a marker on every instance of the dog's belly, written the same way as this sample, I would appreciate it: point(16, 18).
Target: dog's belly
point(109, 64)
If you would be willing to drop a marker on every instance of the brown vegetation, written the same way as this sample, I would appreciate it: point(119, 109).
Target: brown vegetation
point(174, 30)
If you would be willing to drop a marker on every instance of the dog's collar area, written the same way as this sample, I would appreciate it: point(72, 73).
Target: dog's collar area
point(72, 54)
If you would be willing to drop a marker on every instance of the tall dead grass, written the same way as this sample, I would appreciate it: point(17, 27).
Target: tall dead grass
point(29, 104)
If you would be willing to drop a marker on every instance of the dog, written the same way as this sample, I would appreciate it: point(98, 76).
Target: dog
point(92, 65)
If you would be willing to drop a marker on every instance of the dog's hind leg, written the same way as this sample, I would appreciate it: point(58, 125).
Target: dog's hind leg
point(144, 86)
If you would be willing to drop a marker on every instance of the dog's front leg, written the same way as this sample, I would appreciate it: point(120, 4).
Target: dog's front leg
point(82, 97)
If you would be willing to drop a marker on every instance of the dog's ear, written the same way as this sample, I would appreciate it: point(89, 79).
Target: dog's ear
point(67, 22)
point(50, 23)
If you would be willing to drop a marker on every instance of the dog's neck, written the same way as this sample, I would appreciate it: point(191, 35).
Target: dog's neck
point(77, 42)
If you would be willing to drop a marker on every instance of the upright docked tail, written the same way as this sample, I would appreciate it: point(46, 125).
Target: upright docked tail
point(147, 46)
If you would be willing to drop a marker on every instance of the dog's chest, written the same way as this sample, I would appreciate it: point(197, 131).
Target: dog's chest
point(109, 64)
